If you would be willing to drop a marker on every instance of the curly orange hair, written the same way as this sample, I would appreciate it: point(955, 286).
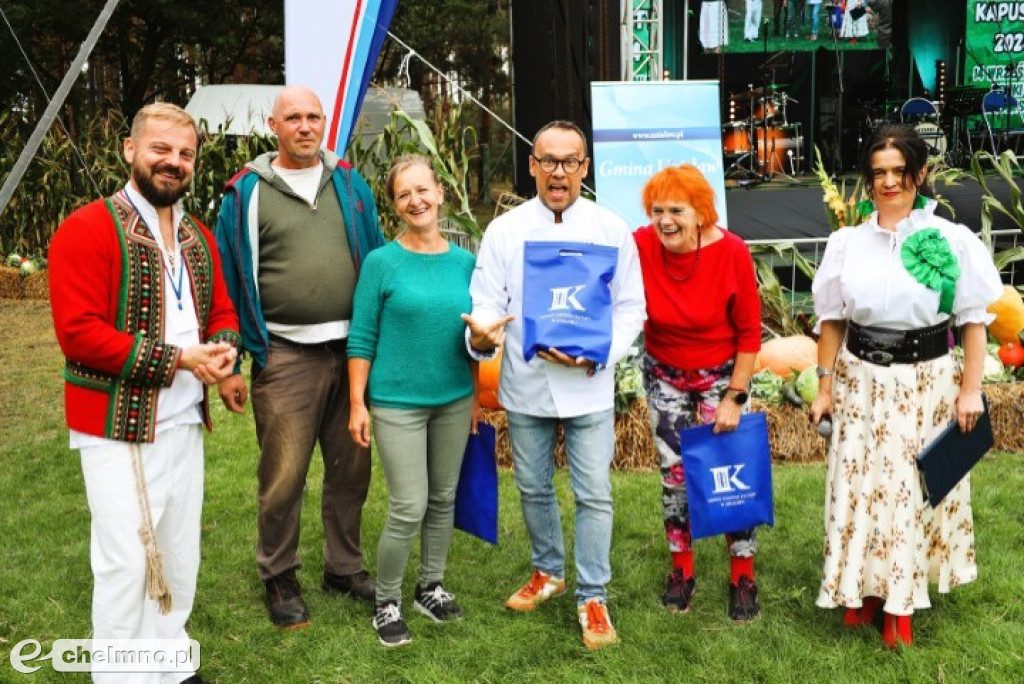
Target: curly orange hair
point(683, 183)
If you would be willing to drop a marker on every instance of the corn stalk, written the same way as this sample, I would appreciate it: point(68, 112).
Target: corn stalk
point(777, 318)
point(451, 149)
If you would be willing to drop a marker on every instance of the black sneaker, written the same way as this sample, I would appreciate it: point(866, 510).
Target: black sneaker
point(390, 625)
point(743, 604)
point(678, 592)
point(284, 601)
point(436, 603)
point(358, 585)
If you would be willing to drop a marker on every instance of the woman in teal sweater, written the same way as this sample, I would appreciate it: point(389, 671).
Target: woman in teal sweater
point(408, 363)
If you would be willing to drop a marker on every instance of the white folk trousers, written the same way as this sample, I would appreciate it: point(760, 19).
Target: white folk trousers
point(173, 467)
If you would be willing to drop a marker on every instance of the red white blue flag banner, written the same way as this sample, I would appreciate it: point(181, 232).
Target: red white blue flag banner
point(332, 46)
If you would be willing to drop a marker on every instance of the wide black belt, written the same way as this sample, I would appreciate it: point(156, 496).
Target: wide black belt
point(330, 345)
point(885, 346)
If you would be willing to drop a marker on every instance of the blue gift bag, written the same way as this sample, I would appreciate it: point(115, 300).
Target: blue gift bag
point(567, 298)
point(476, 499)
point(728, 477)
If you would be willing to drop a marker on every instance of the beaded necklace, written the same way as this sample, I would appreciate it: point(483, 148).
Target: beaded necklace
point(693, 268)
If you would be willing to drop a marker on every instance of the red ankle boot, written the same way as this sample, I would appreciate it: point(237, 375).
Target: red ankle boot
point(864, 615)
point(897, 631)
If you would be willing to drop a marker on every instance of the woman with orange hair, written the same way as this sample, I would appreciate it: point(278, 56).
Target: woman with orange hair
point(702, 333)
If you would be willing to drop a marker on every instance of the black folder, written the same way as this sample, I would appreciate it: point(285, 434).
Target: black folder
point(951, 455)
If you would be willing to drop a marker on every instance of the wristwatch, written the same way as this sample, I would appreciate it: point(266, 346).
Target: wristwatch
point(736, 394)
point(823, 372)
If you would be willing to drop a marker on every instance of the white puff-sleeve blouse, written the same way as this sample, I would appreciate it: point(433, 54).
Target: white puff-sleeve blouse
point(861, 277)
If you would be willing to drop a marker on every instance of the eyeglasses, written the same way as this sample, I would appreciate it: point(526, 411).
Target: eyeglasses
point(549, 164)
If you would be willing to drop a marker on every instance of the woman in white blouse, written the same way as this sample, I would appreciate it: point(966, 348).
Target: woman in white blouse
point(885, 294)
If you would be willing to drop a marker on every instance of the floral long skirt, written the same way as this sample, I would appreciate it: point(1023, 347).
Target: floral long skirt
point(882, 538)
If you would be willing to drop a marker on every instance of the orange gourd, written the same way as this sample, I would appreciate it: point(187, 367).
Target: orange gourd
point(1012, 355)
point(489, 379)
point(1009, 311)
point(783, 355)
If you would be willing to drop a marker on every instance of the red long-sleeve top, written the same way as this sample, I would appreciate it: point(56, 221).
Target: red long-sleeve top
point(706, 320)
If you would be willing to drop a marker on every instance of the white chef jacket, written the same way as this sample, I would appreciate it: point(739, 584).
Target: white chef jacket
point(862, 278)
point(541, 388)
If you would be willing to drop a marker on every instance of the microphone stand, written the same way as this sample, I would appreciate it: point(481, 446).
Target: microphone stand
point(837, 159)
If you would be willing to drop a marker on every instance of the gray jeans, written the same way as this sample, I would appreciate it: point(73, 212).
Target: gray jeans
point(421, 451)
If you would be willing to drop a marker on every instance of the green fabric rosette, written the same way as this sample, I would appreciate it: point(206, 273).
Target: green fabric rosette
point(926, 256)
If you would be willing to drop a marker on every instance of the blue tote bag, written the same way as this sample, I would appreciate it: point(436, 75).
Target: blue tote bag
point(728, 477)
point(567, 298)
point(476, 499)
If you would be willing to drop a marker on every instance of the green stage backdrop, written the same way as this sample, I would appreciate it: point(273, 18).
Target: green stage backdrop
point(995, 45)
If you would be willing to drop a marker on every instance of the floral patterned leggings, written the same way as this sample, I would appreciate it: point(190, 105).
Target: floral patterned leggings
point(678, 399)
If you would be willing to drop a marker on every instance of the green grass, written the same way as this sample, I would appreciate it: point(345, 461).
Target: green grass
point(976, 633)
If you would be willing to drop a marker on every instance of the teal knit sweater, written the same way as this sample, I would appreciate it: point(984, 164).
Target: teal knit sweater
point(406, 323)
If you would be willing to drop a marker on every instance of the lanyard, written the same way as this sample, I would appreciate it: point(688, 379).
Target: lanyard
point(168, 258)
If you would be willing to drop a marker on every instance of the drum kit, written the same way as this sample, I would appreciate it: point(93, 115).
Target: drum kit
point(763, 143)
point(921, 114)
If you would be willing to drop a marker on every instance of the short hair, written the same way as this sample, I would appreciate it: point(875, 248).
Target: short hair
point(906, 140)
point(563, 125)
point(163, 111)
point(400, 164)
point(682, 183)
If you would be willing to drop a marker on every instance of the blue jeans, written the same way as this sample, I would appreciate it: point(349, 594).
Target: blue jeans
point(590, 443)
point(815, 12)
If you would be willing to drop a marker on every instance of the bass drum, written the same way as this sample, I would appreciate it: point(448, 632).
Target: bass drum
point(780, 149)
point(735, 139)
point(934, 136)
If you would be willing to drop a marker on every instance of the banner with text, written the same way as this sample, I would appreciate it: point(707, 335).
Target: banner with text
point(995, 45)
point(641, 128)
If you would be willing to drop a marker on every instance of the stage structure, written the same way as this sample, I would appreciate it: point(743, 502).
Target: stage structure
point(642, 46)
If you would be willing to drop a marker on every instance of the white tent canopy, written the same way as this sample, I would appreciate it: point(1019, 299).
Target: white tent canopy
point(242, 109)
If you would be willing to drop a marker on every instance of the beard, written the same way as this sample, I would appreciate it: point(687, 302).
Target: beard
point(160, 195)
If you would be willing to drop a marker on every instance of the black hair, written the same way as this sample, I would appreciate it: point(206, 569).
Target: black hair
point(564, 125)
point(905, 139)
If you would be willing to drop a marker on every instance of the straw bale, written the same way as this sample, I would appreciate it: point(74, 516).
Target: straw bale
point(1006, 408)
point(37, 286)
point(11, 286)
point(792, 437)
point(634, 448)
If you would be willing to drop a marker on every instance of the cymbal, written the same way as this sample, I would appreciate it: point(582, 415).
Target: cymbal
point(757, 92)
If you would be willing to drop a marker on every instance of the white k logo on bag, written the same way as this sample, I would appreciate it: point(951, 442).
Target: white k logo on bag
point(564, 297)
point(726, 479)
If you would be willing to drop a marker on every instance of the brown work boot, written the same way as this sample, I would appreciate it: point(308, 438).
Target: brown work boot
point(358, 585)
point(284, 601)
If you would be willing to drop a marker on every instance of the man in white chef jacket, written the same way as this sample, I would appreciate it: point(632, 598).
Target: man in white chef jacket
point(555, 388)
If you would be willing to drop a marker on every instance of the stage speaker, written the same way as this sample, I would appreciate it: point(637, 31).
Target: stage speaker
point(558, 48)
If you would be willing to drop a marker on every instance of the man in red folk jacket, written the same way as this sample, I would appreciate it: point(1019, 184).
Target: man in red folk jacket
point(143, 317)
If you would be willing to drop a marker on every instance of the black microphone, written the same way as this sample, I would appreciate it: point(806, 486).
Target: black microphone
point(825, 426)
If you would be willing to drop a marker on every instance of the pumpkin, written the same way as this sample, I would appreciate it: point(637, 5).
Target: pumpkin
point(1009, 311)
point(488, 381)
point(1012, 355)
point(783, 355)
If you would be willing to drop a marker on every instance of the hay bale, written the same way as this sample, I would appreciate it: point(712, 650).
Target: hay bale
point(792, 437)
point(11, 285)
point(634, 448)
point(37, 286)
point(1006, 408)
